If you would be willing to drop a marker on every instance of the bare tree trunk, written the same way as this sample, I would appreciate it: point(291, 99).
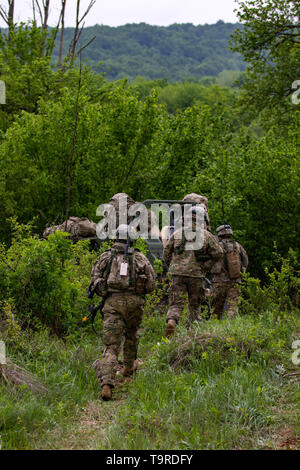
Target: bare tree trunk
point(61, 42)
point(76, 32)
point(71, 160)
point(8, 16)
point(43, 10)
point(51, 45)
point(46, 5)
point(78, 29)
point(33, 12)
point(11, 11)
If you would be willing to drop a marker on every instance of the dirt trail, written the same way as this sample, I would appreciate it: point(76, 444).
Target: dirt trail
point(89, 428)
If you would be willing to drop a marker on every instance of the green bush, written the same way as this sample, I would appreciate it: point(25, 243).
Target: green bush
point(280, 292)
point(47, 279)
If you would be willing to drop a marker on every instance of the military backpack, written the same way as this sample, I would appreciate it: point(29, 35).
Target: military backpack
point(233, 259)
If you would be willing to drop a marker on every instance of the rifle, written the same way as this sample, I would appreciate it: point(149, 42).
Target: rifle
point(94, 309)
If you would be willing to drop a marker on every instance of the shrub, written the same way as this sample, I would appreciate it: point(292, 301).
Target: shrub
point(47, 279)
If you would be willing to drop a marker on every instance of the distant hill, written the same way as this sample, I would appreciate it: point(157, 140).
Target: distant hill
point(177, 52)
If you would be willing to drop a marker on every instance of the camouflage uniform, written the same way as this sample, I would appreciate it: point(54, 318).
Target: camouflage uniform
point(123, 312)
point(77, 228)
point(188, 269)
point(115, 201)
point(226, 290)
point(202, 200)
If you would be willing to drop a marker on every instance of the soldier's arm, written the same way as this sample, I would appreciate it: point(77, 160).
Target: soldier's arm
point(98, 269)
point(244, 258)
point(148, 271)
point(168, 251)
point(213, 249)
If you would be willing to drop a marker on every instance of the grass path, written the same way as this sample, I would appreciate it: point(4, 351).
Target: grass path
point(89, 428)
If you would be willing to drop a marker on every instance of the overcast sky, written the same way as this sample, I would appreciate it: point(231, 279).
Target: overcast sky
point(155, 12)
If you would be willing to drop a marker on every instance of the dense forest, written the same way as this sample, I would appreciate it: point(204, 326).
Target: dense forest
point(177, 52)
point(71, 136)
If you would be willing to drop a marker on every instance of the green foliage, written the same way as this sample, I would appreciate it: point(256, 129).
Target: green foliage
point(222, 384)
point(64, 368)
point(214, 387)
point(45, 281)
point(179, 96)
point(280, 294)
point(178, 52)
point(258, 181)
point(269, 42)
point(114, 139)
point(25, 67)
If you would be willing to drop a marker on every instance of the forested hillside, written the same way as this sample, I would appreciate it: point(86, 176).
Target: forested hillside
point(177, 52)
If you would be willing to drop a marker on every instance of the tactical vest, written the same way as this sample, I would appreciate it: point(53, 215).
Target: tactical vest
point(200, 255)
point(126, 272)
point(119, 271)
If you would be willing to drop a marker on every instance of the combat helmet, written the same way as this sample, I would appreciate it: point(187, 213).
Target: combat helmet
point(116, 202)
point(199, 200)
point(116, 198)
point(224, 231)
point(196, 198)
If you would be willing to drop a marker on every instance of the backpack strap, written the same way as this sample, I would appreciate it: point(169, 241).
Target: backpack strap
point(180, 249)
point(129, 256)
point(108, 267)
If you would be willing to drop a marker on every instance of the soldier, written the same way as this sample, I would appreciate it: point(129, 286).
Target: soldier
point(227, 273)
point(77, 227)
point(200, 200)
point(188, 269)
point(193, 198)
point(121, 201)
point(123, 276)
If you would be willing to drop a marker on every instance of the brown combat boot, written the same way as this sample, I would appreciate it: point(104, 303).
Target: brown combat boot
point(126, 371)
point(170, 329)
point(106, 393)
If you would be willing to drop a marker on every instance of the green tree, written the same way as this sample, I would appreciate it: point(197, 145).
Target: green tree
point(270, 43)
point(258, 181)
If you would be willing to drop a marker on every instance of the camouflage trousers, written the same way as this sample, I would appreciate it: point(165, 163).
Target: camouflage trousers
point(226, 293)
point(194, 288)
point(122, 318)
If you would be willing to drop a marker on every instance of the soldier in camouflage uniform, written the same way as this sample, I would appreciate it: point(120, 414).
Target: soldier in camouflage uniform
point(77, 227)
point(188, 269)
point(192, 198)
point(226, 289)
point(200, 200)
point(123, 308)
point(121, 200)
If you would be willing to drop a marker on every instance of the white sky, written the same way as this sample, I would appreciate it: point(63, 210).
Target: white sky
point(154, 12)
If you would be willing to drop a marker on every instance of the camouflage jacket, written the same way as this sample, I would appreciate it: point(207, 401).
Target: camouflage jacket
point(77, 228)
point(141, 267)
point(220, 270)
point(192, 263)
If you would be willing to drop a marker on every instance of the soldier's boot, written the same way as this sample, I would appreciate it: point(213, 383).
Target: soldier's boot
point(127, 371)
point(170, 329)
point(106, 392)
